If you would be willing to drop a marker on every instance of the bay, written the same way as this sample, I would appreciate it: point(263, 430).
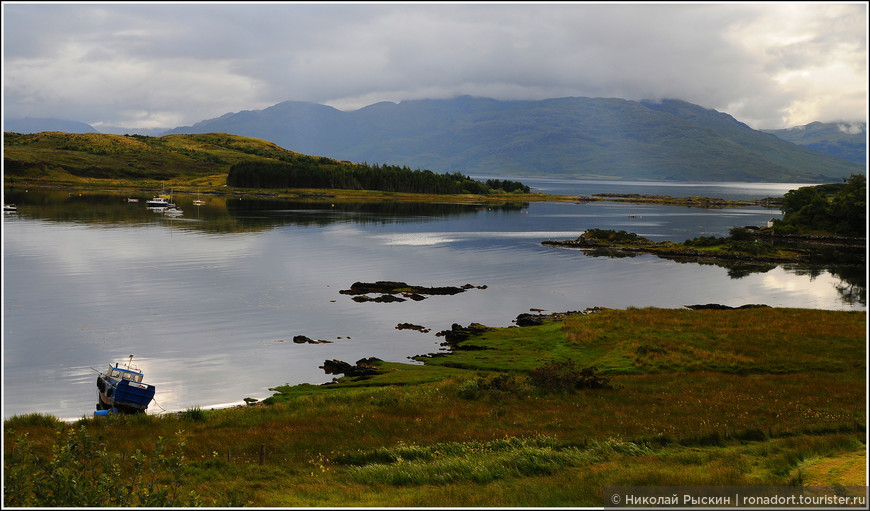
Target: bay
point(209, 302)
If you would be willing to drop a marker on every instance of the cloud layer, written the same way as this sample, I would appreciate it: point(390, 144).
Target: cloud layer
point(164, 65)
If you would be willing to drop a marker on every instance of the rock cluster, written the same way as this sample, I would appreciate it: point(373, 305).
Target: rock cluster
point(364, 367)
point(389, 289)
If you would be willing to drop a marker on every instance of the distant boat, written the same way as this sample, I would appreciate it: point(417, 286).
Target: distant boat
point(173, 211)
point(120, 390)
point(198, 202)
point(10, 208)
point(158, 202)
point(131, 199)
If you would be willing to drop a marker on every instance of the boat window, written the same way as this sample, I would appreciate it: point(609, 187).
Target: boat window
point(114, 373)
point(137, 378)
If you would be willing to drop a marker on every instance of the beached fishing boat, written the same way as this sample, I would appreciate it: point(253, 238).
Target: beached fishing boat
point(120, 390)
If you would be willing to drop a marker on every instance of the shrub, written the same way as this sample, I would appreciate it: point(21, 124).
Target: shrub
point(195, 414)
point(566, 377)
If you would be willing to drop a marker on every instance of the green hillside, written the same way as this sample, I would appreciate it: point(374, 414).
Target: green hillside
point(69, 156)
point(217, 159)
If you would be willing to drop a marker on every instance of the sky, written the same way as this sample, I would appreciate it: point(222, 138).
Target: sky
point(163, 65)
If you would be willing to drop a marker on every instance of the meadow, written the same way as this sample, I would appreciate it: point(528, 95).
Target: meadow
point(546, 415)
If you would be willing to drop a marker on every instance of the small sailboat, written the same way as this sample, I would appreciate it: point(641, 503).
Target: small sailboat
point(198, 202)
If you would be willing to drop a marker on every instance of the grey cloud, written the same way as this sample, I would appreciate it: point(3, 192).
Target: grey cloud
point(195, 61)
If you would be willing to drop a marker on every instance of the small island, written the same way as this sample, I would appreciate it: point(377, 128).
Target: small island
point(820, 224)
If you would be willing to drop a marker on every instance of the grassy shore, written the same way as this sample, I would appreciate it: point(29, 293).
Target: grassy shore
point(757, 396)
point(200, 163)
point(214, 185)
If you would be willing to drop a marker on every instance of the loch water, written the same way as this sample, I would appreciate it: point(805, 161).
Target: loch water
point(209, 302)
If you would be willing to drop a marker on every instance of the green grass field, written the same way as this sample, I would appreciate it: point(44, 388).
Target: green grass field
point(693, 398)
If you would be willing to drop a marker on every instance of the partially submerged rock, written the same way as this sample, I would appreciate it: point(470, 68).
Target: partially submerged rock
point(389, 289)
point(301, 339)
point(411, 326)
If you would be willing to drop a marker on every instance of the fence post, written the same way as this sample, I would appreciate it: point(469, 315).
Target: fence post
point(262, 453)
point(228, 455)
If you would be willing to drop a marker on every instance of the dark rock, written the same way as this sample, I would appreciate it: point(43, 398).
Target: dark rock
point(411, 326)
point(364, 367)
point(458, 333)
point(301, 339)
point(389, 288)
point(526, 319)
point(379, 299)
point(716, 306)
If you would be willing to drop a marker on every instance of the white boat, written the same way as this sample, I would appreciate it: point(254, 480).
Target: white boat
point(10, 208)
point(160, 201)
point(172, 211)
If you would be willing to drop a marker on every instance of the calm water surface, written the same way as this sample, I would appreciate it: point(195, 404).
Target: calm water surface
point(209, 302)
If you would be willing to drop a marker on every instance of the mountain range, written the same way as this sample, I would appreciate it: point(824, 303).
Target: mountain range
point(844, 140)
point(604, 138)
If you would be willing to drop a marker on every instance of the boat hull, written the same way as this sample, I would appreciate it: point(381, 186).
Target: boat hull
point(124, 396)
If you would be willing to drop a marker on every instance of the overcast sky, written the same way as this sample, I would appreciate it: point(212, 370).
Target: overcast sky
point(153, 65)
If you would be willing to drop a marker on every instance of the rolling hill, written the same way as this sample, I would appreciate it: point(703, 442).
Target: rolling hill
point(581, 137)
point(843, 140)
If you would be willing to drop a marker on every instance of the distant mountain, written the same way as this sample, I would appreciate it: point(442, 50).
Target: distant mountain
point(38, 125)
point(841, 139)
point(118, 130)
point(583, 137)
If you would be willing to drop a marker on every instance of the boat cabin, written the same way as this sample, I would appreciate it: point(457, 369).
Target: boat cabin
point(119, 373)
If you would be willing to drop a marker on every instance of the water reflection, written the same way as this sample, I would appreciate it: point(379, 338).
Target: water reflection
point(227, 215)
point(844, 263)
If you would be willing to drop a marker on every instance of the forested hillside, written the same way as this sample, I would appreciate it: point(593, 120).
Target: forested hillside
point(226, 159)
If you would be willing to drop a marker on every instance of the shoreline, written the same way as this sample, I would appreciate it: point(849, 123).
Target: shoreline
point(329, 194)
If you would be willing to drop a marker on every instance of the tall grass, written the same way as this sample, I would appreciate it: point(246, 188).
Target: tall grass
point(478, 462)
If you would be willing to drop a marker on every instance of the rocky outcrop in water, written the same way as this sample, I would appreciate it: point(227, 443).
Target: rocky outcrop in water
point(388, 291)
point(301, 339)
point(411, 326)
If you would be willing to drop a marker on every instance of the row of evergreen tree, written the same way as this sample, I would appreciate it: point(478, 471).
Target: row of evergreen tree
point(308, 172)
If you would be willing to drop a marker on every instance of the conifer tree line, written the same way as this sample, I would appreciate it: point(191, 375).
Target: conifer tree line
point(310, 172)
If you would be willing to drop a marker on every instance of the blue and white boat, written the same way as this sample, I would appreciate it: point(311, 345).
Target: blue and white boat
point(121, 390)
